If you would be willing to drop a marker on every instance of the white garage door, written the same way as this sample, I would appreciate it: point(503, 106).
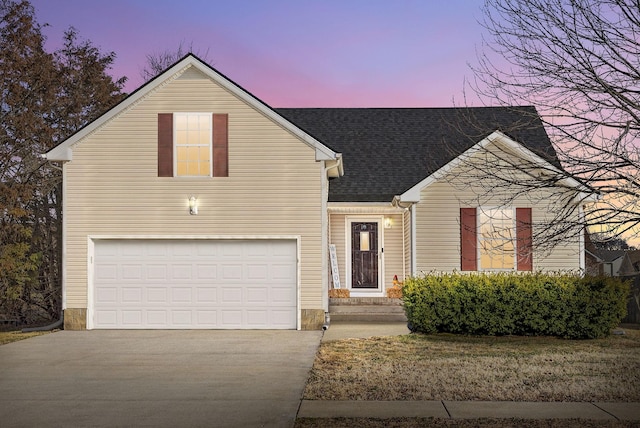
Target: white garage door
point(194, 284)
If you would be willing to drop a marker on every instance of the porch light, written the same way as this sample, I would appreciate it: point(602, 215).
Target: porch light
point(193, 205)
point(388, 223)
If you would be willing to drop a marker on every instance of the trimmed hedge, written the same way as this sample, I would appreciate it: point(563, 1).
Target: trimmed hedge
point(563, 305)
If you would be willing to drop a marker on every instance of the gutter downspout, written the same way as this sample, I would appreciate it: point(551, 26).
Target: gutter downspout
point(325, 240)
point(52, 326)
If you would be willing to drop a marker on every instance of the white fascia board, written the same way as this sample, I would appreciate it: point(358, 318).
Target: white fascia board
point(59, 153)
point(499, 139)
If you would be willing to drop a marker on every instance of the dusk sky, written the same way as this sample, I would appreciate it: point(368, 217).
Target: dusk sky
point(294, 53)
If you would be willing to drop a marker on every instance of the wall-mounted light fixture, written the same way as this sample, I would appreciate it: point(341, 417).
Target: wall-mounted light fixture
point(388, 223)
point(193, 205)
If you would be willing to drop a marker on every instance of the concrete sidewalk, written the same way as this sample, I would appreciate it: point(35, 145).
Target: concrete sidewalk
point(469, 410)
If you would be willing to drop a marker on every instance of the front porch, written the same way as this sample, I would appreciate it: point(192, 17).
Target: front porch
point(366, 309)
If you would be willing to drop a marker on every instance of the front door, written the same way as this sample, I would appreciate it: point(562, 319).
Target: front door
point(364, 255)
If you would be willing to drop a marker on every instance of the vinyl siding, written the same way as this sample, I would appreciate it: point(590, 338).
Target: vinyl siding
point(274, 186)
point(438, 228)
point(407, 242)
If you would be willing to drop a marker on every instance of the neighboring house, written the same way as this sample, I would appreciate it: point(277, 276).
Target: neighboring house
point(620, 262)
point(192, 204)
point(634, 259)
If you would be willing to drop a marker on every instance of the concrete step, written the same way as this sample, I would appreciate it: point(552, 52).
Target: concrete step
point(367, 317)
point(371, 309)
point(357, 301)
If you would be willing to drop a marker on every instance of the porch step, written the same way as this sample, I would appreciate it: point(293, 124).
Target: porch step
point(372, 309)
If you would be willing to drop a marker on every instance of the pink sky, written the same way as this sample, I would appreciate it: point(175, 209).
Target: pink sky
point(293, 53)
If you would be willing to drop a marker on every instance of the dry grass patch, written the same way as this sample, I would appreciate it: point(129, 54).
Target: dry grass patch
point(474, 423)
point(448, 367)
point(14, 336)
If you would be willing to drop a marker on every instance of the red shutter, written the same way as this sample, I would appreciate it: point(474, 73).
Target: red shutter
point(468, 239)
point(220, 145)
point(524, 241)
point(165, 144)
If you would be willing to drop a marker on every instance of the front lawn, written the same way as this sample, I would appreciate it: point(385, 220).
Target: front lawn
point(14, 336)
point(450, 367)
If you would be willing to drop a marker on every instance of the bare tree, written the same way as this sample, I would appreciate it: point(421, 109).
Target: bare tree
point(157, 62)
point(578, 63)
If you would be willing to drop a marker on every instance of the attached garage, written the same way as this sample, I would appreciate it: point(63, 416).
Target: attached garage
point(193, 284)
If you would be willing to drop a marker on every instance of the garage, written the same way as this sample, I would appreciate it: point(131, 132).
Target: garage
point(193, 284)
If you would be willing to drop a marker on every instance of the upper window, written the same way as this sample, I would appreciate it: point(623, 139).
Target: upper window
point(192, 144)
point(496, 238)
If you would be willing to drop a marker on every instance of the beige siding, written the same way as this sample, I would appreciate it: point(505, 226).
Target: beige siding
point(393, 245)
point(407, 242)
point(273, 188)
point(438, 228)
point(393, 249)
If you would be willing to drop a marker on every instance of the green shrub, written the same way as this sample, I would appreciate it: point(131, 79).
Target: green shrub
point(563, 305)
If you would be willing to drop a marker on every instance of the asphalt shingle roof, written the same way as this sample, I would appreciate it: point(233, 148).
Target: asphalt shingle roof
point(386, 151)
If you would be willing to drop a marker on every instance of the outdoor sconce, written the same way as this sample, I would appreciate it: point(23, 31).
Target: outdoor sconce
point(388, 223)
point(193, 205)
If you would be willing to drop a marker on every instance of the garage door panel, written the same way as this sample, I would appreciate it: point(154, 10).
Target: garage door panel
point(195, 284)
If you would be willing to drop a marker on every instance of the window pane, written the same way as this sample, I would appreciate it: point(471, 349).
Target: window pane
point(193, 144)
point(192, 168)
point(181, 153)
point(182, 168)
point(181, 138)
point(364, 241)
point(181, 122)
point(194, 137)
point(192, 121)
point(204, 137)
point(192, 154)
point(496, 238)
point(204, 168)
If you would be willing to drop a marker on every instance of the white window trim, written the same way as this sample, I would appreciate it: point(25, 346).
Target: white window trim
point(481, 209)
point(175, 144)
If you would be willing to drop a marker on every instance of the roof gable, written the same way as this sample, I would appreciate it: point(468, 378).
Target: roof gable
point(189, 64)
point(505, 144)
point(388, 151)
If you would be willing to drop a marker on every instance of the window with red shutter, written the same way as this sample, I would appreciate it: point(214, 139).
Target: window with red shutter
point(193, 145)
point(495, 239)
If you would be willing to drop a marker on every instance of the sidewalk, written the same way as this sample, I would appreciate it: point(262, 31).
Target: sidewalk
point(469, 410)
point(451, 409)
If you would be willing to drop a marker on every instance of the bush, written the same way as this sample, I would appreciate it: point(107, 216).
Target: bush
point(563, 305)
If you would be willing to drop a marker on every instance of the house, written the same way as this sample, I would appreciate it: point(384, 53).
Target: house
point(619, 262)
point(193, 204)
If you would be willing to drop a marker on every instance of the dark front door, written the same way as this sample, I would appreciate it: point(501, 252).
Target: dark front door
point(364, 255)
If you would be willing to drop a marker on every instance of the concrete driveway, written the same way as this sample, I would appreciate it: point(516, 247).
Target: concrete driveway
point(156, 378)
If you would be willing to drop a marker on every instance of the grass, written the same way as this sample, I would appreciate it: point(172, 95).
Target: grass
point(482, 423)
point(448, 367)
point(14, 336)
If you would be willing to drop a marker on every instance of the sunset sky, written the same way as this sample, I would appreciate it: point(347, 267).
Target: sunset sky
point(294, 53)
